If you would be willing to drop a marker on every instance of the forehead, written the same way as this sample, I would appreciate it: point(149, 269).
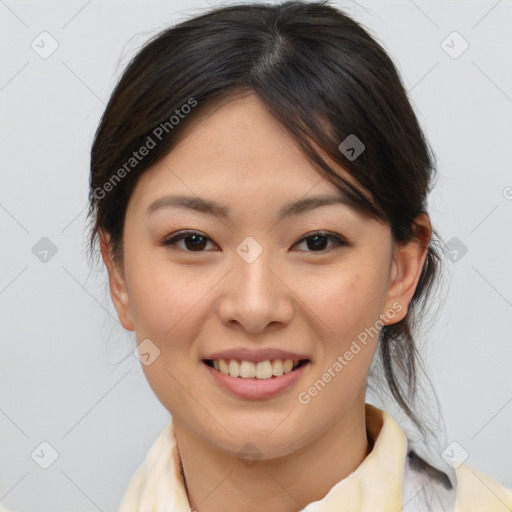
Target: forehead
point(236, 151)
point(241, 137)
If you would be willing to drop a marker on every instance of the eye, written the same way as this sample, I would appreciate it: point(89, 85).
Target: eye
point(194, 241)
point(318, 240)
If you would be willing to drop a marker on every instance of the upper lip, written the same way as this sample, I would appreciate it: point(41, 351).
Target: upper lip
point(257, 355)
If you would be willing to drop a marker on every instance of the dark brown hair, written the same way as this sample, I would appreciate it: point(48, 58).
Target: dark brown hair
point(324, 78)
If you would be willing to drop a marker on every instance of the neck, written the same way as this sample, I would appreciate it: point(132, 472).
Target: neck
point(215, 480)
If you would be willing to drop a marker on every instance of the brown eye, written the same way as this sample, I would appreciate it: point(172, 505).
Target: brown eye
point(317, 242)
point(193, 241)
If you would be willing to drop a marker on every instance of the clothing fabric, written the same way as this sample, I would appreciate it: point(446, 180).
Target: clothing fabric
point(390, 478)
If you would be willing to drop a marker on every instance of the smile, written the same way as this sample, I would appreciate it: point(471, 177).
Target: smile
point(254, 381)
point(250, 370)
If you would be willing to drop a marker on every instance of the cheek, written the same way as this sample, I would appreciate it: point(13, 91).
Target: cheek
point(162, 300)
point(348, 300)
point(348, 306)
point(167, 308)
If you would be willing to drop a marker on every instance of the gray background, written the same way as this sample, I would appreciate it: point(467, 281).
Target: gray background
point(60, 340)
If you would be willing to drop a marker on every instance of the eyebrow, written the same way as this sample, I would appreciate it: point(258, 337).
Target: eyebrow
point(213, 208)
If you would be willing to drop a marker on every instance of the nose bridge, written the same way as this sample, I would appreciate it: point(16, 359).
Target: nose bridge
point(255, 296)
point(253, 274)
point(252, 271)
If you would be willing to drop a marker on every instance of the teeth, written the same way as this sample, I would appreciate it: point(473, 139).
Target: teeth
point(287, 366)
point(234, 368)
point(223, 366)
point(277, 368)
point(264, 370)
point(248, 369)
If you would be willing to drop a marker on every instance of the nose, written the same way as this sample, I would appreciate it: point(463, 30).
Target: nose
point(255, 296)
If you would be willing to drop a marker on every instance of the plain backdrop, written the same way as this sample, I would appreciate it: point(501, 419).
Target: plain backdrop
point(61, 383)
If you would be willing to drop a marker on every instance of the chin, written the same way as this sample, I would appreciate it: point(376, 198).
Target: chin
point(263, 440)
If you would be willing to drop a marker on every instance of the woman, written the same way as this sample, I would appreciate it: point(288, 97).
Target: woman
point(258, 189)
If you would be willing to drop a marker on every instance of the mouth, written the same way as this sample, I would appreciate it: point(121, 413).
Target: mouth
point(260, 380)
point(249, 370)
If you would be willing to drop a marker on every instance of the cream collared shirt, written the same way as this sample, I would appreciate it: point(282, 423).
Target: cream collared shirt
point(375, 486)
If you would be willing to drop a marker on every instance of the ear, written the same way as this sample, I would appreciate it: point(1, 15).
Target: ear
point(117, 282)
point(406, 268)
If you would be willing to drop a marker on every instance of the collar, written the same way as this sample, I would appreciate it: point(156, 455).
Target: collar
point(376, 484)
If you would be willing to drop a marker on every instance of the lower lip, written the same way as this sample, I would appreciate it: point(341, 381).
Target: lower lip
point(254, 389)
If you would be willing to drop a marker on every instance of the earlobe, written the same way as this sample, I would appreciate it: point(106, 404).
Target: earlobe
point(407, 266)
point(117, 283)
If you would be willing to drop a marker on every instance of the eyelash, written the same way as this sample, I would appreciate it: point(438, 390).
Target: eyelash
point(171, 241)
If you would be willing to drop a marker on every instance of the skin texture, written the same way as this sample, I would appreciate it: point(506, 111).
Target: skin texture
point(191, 304)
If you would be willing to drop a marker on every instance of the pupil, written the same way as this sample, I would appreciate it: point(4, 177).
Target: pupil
point(317, 238)
point(197, 241)
point(314, 242)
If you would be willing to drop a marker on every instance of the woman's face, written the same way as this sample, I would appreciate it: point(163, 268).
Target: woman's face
point(251, 282)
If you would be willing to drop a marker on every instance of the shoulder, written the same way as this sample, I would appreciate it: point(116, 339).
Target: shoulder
point(155, 477)
point(428, 488)
point(477, 491)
